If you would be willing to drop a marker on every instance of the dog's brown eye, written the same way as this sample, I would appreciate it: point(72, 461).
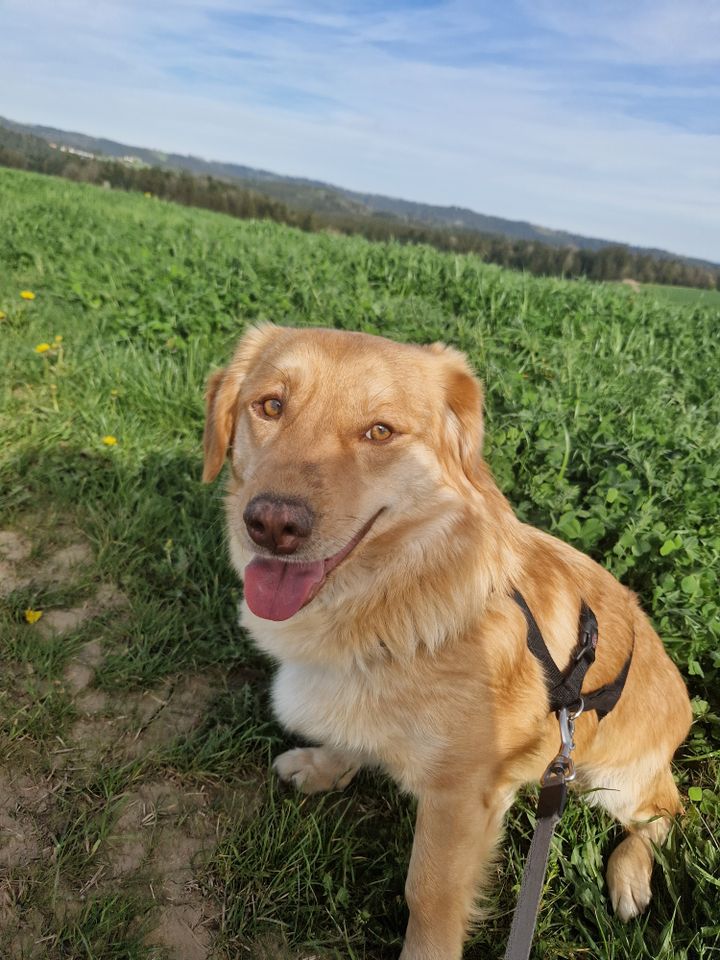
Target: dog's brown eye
point(272, 407)
point(379, 432)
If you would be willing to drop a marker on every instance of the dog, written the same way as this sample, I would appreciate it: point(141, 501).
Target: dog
point(382, 568)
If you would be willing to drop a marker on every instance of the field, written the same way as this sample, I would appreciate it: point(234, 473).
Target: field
point(137, 815)
point(683, 296)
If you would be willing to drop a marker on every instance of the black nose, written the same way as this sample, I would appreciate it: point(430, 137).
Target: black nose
point(281, 525)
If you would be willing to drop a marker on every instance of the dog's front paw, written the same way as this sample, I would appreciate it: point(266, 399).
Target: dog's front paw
point(628, 875)
point(312, 769)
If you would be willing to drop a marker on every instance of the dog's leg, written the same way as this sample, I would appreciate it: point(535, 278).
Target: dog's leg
point(312, 769)
point(456, 832)
point(645, 809)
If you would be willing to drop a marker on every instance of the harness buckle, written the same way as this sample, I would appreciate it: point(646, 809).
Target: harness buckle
point(586, 651)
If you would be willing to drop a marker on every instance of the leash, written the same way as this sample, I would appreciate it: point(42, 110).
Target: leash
point(551, 803)
point(567, 702)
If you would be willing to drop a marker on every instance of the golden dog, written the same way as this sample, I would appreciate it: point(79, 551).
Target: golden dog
point(379, 560)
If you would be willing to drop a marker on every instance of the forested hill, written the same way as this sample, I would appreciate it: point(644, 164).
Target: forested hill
point(313, 206)
point(324, 198)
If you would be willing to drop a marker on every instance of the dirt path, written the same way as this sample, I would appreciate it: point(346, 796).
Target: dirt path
point(155, 835)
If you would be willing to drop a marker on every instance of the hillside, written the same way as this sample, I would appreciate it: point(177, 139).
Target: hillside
point(27, 152)
point(325, 198)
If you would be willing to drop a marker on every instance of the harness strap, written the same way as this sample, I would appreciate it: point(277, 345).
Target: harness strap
point(565, 687)
point(604, 698)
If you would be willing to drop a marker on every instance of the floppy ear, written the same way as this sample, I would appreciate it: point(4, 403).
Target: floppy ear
point(219, 423)
point(221, 397)
point(463, 426)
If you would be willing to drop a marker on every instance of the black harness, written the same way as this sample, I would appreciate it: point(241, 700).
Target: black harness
point(567, 701)
point(564, 687)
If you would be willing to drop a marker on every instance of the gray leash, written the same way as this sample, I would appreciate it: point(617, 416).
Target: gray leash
point(551, 804)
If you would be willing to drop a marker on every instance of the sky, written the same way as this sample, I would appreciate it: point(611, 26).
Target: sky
point(600, 118)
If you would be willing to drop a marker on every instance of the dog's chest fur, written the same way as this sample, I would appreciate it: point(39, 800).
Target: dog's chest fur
point(366, 715)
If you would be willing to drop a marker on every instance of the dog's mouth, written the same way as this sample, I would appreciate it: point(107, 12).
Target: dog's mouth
point(276, 589)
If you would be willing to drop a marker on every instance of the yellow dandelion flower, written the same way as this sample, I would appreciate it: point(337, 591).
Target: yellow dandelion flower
point(109, 440)
point(42, 348)
point(32, 616)
point(2, 315)
point(27, 294)
point(58, 338)
point(147, 194)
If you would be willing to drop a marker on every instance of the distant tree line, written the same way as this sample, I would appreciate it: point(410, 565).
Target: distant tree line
point(25, 152)
point(615, 262)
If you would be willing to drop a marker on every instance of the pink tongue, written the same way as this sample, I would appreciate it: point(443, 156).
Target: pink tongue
point(275, 590)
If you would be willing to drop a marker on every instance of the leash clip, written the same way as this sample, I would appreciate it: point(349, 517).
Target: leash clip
point(562, 769)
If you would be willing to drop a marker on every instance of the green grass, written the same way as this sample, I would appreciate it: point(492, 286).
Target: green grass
point(677, 296)
point(684, 296)
point(602, 422)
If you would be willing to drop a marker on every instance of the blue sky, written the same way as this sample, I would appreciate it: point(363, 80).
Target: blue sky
point(600, 118)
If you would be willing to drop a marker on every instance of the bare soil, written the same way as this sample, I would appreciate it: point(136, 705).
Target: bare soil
point(164, 832)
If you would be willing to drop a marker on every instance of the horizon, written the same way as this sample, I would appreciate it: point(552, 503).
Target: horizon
point(288, 176)
point(603, 123)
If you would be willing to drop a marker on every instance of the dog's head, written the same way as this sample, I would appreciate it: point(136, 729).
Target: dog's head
point(342, 448)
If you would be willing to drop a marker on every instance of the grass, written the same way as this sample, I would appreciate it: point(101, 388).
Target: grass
point(666, 294)
point(685, 296)
point(602, 427)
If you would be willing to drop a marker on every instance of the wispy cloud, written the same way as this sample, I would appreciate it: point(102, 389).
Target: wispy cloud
point(645, 32)
point(589, 120)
